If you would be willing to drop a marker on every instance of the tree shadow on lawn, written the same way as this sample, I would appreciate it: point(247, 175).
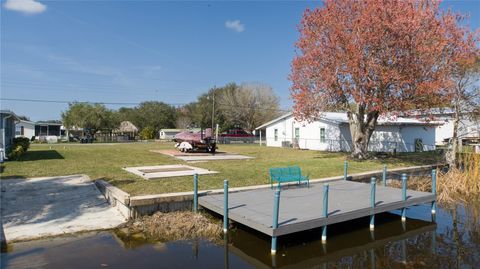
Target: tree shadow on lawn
point(416, 158)
point(36, 155)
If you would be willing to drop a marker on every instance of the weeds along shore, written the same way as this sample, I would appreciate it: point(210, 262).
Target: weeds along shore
point(458, 184)
point(173, 226)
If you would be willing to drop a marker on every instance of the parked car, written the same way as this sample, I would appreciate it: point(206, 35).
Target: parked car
point(86, 139)
point(236, 135)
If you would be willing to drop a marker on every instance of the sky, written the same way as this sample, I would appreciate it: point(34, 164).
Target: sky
point(125, 52)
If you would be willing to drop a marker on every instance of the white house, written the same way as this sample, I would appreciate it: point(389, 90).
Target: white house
point(330, 132)
point(468, 129)
point(25, 128)
point(47, 131)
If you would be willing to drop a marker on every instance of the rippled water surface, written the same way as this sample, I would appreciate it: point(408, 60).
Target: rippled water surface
point(452, 241)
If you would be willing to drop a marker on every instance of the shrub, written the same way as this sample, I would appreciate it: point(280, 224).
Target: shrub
point(147, 133)
point(19, 147)
point(15, 152)
point(22, 141)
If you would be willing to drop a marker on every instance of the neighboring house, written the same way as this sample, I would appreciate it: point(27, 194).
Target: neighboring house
point(331, 132)
point(46, 131)
point(7, 131)
point(169, 134)
point(468, 129)
point(46, 128)
point(25, 128)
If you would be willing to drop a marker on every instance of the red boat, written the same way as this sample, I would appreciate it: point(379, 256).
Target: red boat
point(190, 141)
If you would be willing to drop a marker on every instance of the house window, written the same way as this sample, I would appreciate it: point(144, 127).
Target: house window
point(22, 130)
point(322, 135)
point(297, 133)
point(275, 134)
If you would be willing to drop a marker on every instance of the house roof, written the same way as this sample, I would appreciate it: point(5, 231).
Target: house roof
point(180, 130)
point(8, 112)
point(51, 123)
point(127, 127)
point(172, 130)
point(342, 118)
point(27, 121)
point(274, 120)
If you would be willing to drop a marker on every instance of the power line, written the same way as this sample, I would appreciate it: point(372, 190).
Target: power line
point(68, 102)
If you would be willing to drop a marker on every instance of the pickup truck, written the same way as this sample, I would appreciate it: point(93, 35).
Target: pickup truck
point(236, 135)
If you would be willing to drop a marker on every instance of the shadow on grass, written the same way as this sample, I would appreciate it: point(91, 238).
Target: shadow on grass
point(416, 158)
point(36, 155)
point(118, 183)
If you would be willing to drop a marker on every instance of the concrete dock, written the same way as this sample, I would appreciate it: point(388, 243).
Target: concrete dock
point(300, 207)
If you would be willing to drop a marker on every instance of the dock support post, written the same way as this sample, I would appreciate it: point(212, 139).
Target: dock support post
point(384, 175)
point(225, 206)
point(434, 191)
point(372, 202)
point(226, 252)
point(404, 196)
point(345, 170)
point(276, 206)
point(372, 259)
point(195, 193)
point(434, 242)
point(325, 211)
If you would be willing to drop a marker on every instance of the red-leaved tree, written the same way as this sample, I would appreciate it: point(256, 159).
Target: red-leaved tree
point(376, 57)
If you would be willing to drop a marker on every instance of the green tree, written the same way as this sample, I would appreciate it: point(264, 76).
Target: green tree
point(90, 117)
point(157, 115)
point(127, 114)
point(207, 105)
point(147, 133)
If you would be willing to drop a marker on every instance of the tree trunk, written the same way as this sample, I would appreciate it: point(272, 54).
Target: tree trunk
point(361, 130)
point(452, 152)
point(451, 156)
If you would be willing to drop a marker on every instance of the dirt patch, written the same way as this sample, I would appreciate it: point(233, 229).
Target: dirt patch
point(182, 225)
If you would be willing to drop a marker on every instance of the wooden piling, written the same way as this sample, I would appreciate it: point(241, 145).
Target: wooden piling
point(384, 175)
point(276, 207)
point(325, 211)
point(225, 206)
point(404, 196)
point(373, 184)
point(195, 193)
point(434, 190)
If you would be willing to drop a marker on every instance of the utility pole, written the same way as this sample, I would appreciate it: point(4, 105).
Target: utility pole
point(213, 107)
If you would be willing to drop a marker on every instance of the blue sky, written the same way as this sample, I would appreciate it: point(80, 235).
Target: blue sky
point(132, 51)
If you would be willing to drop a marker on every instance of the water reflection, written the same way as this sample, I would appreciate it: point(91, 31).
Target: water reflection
point(453, 241)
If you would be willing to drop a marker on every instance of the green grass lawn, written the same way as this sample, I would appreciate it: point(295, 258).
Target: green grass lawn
point(104, 161)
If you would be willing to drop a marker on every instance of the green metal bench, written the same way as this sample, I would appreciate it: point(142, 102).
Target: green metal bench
point(287, 174)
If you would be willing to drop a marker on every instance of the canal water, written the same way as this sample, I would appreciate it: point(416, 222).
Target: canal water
point(452, 241)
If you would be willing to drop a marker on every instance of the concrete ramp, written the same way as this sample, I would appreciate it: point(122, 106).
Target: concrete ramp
point(39, 207)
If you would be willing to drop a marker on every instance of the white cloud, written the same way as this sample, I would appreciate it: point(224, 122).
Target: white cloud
point(25, 6)
point(235, 25)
